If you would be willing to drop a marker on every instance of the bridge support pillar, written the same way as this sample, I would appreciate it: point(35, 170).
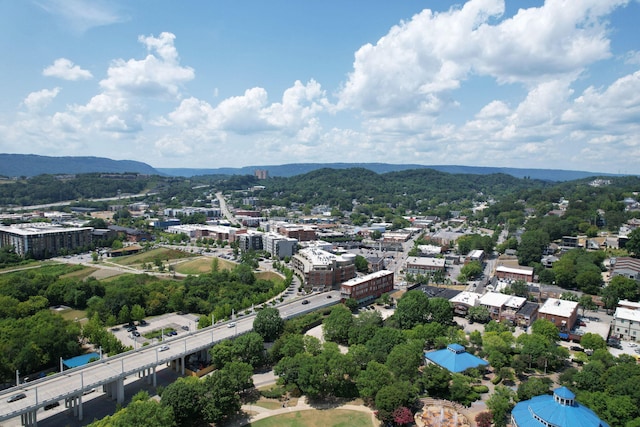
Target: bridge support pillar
point(120, 390)
point(155, 382)
point(182, 364)
point(29, 419)
point(79, 403)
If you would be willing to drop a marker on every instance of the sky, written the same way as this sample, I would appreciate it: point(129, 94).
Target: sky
point(205, 84)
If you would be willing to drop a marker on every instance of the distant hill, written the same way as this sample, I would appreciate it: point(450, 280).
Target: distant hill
point(294, 169)
point(12, 165)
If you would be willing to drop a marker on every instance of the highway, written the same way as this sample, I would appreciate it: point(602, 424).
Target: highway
point(73, 382)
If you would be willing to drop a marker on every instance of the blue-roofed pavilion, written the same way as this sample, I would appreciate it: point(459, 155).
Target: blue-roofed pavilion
point(454, 358)
point(559, 410)
point(81, 360)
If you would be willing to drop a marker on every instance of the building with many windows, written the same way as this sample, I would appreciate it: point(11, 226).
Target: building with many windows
point(367, 288)
point(279, 246)
point(322, 270)
point(424, 265)
point(43, 240)
point(561, 313)
point(626, 324)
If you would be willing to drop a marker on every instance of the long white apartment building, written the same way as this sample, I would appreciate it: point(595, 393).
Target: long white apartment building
point(44, 240)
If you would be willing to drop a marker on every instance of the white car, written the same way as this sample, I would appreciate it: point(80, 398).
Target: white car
point(231, 325)
point(164, 348)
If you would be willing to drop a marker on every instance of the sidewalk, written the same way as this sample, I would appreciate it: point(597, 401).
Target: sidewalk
point(255, 413)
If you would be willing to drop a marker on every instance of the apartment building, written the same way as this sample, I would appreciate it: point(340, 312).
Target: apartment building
point(561, 313)
point(44, 240)
point(322, 270)
point(367, 288)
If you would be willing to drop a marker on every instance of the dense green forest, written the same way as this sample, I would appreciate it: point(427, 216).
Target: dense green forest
point(26, 298)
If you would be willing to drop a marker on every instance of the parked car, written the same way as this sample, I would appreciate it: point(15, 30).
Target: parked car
point(143, 323)
point(576, 348)
point(135, 334)
point(16, 397)
point(185, 328)
point(173, 333)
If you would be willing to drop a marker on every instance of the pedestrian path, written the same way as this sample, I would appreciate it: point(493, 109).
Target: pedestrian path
point(256, 413)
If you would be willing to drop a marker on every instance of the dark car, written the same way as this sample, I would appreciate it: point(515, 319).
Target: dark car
point(305, 301)
point(143, 323)
point(173, 333)
point(16, 397)
point(135, 333)
point(51, 405)
point(576, 348)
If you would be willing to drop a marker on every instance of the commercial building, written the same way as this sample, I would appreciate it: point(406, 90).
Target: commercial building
point(559, 410)
point(626, 324)
point(505, 272)
point(502, 306)
point(561, 313)
point(43, 240)
point(424, 265)
point(322, 270)
point(367, 288)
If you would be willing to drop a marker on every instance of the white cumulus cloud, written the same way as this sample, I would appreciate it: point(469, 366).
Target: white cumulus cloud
point(38, 100)
point(63, 68)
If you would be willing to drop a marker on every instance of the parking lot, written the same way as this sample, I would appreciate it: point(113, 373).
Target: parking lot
point(181, 323)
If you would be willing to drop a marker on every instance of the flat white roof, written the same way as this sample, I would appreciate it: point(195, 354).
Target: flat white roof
point(39, 228)
point(628, 304)
point(425, 261)
point(496, 299)
point(558, 307)
point(468, 298)
point(627, 314)
point(357, 280)
point(514, 270)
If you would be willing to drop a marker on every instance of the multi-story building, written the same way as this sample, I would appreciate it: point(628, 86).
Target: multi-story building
point(251, 241)
point(43, 240)
point(502, 306)
point(424, 265)
point(561, 313)
point(627, 267)
point(322, 270)
point(303, 233)
point(505, 272)
point(367, 288)
point(279, 246)
point(626, 324)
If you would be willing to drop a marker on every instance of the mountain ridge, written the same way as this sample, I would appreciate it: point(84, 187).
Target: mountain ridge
point(15, 165)
point(292, 169)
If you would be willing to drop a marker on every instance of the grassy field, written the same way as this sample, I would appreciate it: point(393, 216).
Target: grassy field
point(269, 275)
point(317, 418)
point(80, 274)
point(150, 256)
point(202, 265)
point(71, 314)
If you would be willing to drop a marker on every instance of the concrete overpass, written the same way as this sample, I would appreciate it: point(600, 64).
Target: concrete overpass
point(109, 373)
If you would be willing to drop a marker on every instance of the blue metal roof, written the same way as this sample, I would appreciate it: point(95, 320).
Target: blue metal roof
point(74, 362)
point(547, 408)
point(455, 359)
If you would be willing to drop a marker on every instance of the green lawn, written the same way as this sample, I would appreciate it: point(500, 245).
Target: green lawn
point(162, 254)
point(317, 418)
